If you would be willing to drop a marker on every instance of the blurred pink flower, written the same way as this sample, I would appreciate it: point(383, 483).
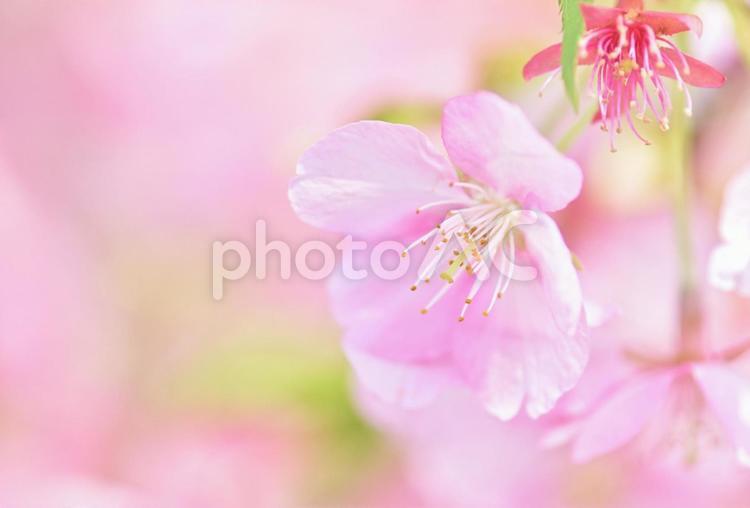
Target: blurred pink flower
point(729, 269)
point(628, 50)
point(369, 177)
point(680, 401)
point(649, 377)
point(457, 456)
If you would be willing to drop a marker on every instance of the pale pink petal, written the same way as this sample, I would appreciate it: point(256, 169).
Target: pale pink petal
point(554, 364)
point(735, 214)
point(670, 23)
point(493, 141)
point(493, 366)
point(368, 178)
point(729, 268)
point(406, 384)
point(622, 414)
point(607, 368)
point(399, 354)
point(700, 75)
point(556, 272)
point(518, 356)
point(560, 434)
point(598, 315)
point(728, 395)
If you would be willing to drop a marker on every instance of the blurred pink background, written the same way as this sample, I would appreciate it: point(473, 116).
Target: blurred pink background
point(135, 133)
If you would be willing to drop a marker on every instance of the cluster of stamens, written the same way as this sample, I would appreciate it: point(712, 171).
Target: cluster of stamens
point(626, 72)
point(476, 236)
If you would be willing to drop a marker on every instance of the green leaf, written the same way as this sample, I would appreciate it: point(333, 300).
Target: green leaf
point(572, 23)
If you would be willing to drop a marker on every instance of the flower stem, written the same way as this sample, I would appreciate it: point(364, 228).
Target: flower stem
point(676, 159)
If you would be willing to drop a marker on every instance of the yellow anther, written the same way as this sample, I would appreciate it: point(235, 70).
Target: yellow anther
point(448, 274)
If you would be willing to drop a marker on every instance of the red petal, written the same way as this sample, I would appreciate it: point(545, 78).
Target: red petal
point(543, 62)
point(701, 74)
point(599, 17)
point(668, 23)
point(548, 60)
point(630, 4)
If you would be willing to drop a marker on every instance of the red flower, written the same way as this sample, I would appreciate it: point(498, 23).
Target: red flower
point(629, 50)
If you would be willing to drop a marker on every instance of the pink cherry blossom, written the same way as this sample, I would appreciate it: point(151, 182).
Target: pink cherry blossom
point(730, 262)
point(686, 402)
point(368, 178)
point(630, 52)
point(670, 388)
point(458, 456)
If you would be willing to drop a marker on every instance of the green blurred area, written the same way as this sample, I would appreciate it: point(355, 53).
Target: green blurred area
point(305, 385)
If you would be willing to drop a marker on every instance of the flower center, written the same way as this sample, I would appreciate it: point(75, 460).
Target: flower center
point(621, 50)
point(626, 66)
point(476, 234)
point(690, 428)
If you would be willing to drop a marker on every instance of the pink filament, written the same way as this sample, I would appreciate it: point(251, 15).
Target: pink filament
point(627, 65)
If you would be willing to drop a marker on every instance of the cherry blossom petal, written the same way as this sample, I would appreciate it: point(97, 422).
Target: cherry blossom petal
point(599, 17)
point(630, 4)
point(493, 366)
point(558, 275)
point(369, 178)
point(553, 365)
point(406, 384)
point(663, 23)
point(548, 60)
point(729, 268)
point(735, 214)
point(728, 395)
point(520, 357)
point(493, 141)
point(398, 354)
point(545, 61)
point(670, 23)
point(701, 74)
point(622, 415)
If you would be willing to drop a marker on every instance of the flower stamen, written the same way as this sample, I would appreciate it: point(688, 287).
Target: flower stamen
point(474, 236)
